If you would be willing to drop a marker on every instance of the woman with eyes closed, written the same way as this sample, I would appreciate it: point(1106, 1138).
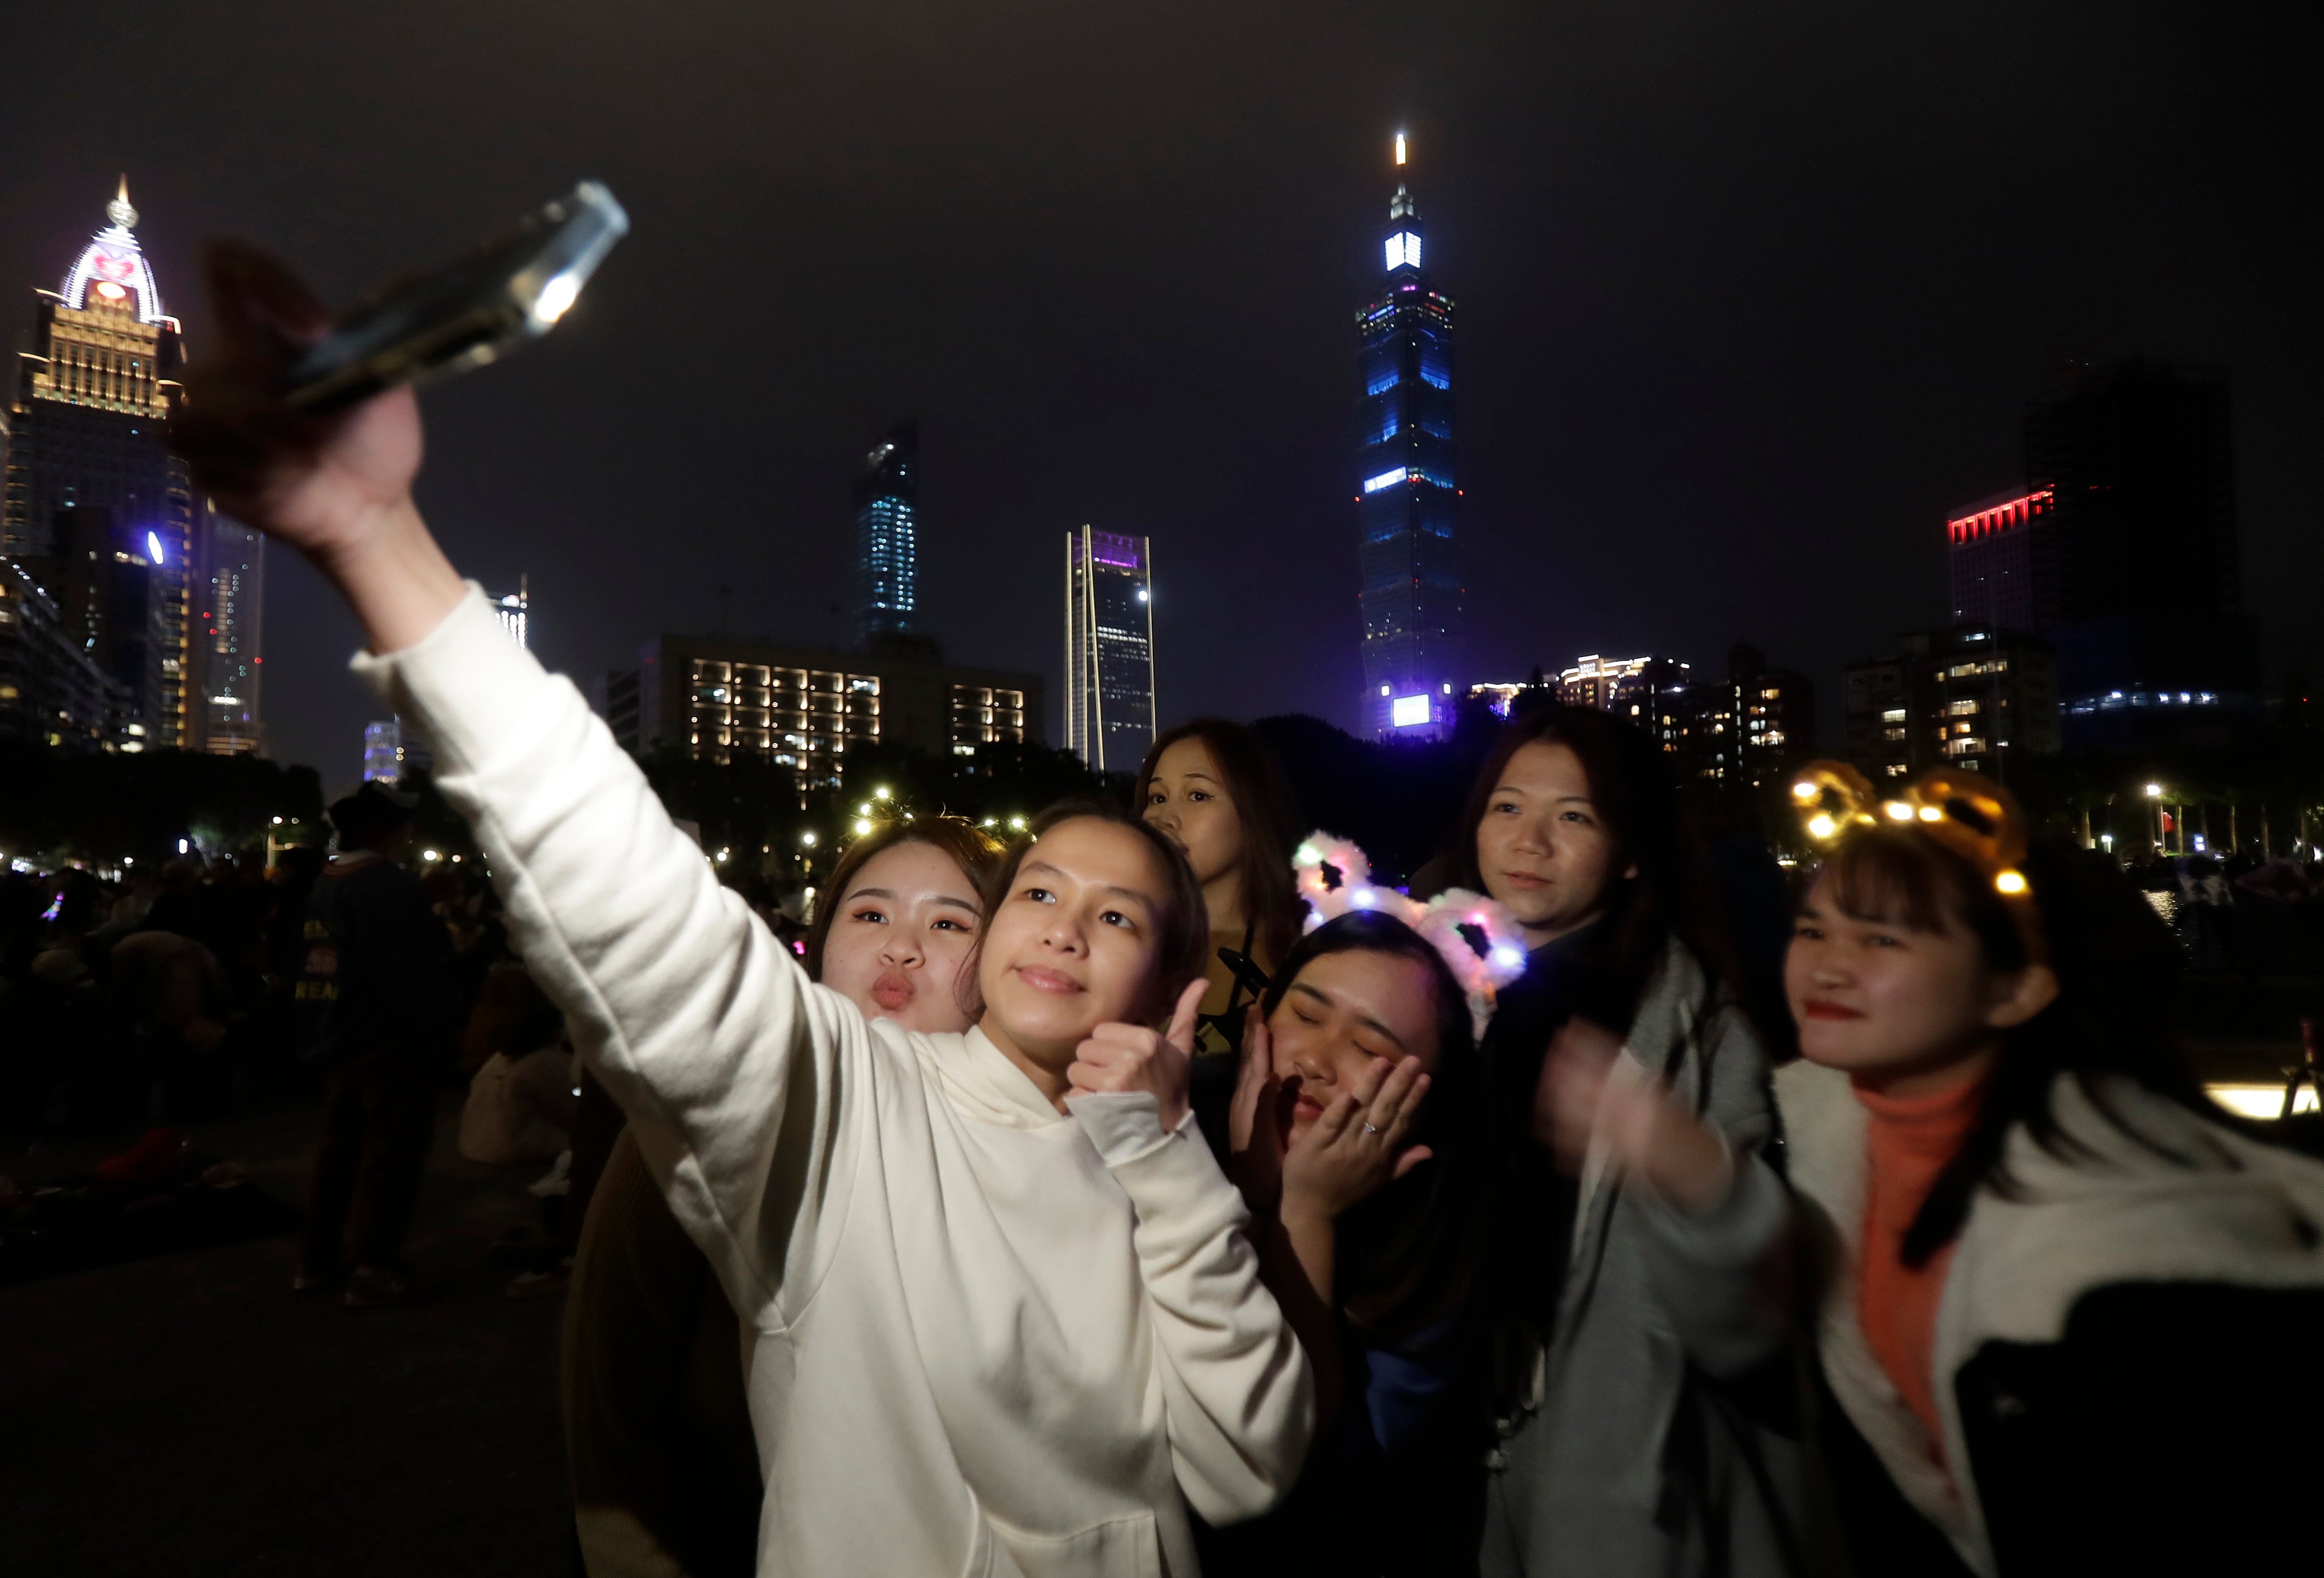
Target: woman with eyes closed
point(1214, 788)
point(1351, 1124)
point(665, 1475)
point(1001, 1314)
point(1638, 1226)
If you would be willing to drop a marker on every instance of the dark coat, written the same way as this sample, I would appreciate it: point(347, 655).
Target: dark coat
point(2124, 1346)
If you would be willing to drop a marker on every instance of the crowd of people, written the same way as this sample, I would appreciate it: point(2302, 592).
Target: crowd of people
point(1109, 1202)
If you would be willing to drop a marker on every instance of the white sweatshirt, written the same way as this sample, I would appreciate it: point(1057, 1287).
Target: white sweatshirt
point(984, 1337)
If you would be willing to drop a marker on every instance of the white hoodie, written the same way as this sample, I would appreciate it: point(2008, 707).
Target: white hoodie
point(984, 1337)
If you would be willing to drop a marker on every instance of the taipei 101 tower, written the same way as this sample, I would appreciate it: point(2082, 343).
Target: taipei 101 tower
point(1407, 497)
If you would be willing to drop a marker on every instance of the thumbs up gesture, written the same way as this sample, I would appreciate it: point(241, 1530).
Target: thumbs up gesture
point(1134, 1057)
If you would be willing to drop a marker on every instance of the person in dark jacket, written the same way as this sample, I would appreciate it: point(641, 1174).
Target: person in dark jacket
point(371, 1006)
point(2062, 1295)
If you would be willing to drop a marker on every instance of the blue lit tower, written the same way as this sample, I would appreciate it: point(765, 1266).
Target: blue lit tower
point(1407, 499)
point(887, 542)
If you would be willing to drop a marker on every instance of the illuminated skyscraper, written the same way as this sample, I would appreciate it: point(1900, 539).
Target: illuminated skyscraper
point(229, 588)
point(1407, 502)
point(515, 612)
point(97, 508)
point(1109, 649)
point(887, 542)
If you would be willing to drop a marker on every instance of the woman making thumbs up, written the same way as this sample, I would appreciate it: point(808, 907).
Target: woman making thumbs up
point(1001, 1314)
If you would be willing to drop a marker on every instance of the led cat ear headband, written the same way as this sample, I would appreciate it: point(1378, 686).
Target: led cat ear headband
point(1477, 937)
point(1964, 812)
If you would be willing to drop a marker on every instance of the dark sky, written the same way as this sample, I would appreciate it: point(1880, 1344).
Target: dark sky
point(1750, 294)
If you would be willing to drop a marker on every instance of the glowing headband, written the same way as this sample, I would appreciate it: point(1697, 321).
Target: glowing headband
point(1335, 879)
point(1966, 813)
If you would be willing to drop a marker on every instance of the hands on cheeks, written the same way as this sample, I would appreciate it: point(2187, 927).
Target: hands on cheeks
point(1132, 1057)
point(1259, 1123)
point(1647, 1133)
point(1357, 1148)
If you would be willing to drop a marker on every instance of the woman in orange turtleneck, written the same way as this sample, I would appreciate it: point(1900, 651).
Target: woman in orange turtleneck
point(2042, 1256)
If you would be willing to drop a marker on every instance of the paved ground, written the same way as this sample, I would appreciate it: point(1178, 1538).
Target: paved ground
point(187, 1415)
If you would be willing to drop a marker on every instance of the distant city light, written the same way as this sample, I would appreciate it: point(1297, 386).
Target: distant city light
point(1373, 484)
point(1399, 147)
point(1403, 250)
point(153, 546)
point(1407, 712)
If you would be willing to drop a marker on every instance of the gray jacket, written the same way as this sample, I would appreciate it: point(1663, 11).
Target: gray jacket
point(1631, 1457)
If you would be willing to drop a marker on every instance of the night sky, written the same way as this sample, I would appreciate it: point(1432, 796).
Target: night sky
point(1749, 296)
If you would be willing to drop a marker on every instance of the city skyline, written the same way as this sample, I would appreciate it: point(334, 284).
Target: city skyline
point(1719, 379)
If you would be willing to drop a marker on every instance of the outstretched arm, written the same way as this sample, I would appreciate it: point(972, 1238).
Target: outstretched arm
point(697, 1021)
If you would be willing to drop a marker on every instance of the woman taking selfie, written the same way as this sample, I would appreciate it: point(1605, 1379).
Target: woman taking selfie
point(2061, 1291)
point(1004, 1316)
point(1639, 1236)
point(1353, 1137)
point(665, 1475)
point(1213, 787)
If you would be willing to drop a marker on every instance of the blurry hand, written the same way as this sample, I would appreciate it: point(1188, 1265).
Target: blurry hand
point(1355, 1148)
point(1131, 1057)
point(1648, 1134)
point(1259, 1123)
point(337, 487)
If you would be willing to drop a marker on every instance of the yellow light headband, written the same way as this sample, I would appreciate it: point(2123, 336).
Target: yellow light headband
point(1964, 812)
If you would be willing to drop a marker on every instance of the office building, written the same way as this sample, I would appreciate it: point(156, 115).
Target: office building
point(1970, 696)
point(2121, 551)
point(514, 611)
point(1408, 490)
point(96, 508)
point(229, 591)
point(51, 692)
point(383, 753)
point(887, 506)
point(1989, 577)
point(721, 698)
point(1109, 649)
point(1626, 687)
point(1745, 732)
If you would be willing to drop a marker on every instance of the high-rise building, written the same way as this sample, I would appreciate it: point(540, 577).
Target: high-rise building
point(1408, 493)
point(1989, 576)
point(2140, 585)
point(229, 586)
point(382, 759)
point(52, 692)
point(886, 499)
point(1109, 649)
point(97, 510)
point(718, 698)
point(1971, 696)
point(514, 612)
point(2121, 552)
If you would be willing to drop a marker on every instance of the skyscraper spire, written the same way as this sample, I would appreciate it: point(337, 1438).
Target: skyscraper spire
point(1407, 497)
point(118, 210)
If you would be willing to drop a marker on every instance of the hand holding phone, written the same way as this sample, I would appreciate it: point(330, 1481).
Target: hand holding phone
point(474, 310)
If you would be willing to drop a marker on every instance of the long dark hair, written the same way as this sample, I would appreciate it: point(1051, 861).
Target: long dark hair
point(1409, 1254)
point(1185, 930)
point(1670, 897)
point(1254, 782)
point(974, 851)
point(2117, 970)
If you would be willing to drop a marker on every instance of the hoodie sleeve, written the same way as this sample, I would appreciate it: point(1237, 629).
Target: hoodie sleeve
point(1240, 1399)
point(745, 1079)
point(1722, 1277)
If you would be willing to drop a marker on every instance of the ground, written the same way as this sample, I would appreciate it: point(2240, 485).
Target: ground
point(187, 1414)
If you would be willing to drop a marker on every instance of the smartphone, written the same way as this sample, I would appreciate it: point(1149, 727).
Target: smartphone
point(474, 309)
